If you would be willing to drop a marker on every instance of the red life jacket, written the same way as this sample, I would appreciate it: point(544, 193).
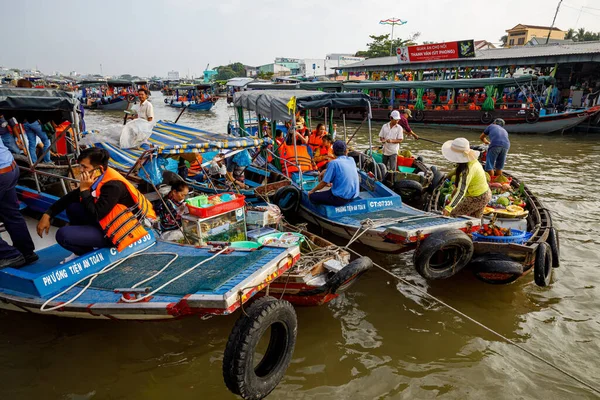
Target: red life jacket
point(324, 150)
point(315, 140)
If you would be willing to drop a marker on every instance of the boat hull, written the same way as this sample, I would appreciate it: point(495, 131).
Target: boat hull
point(204, 106)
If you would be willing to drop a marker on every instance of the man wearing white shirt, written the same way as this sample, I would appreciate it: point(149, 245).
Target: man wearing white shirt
point(146, 110)
point(391, 135)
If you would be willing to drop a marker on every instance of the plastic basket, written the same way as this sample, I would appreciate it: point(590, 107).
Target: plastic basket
point(245, 245)
point(406, 170)
point(518, 237)
point(211, 211)
point(405, 161)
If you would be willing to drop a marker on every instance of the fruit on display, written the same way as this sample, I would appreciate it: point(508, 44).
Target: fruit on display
point(493, 230)
point(406, 153)
point(504, 201)
point(501, 179)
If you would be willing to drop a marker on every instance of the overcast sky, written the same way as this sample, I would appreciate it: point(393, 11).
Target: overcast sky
point(152, 37)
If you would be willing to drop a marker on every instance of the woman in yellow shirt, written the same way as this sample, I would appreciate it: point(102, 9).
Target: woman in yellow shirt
point(472, 192)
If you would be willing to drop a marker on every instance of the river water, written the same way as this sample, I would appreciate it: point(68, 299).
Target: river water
point(380, 340)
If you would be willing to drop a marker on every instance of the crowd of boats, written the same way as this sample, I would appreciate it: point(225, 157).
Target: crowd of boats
point(237, 243)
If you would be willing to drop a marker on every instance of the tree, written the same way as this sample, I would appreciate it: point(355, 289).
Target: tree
point(226, 73)
point(504, 40)
point(265, 75)
point(570, 34)
point(381, 44)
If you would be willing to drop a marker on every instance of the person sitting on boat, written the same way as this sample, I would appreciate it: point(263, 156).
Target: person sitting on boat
point(342, 175)
point(295, 158)
point(324, 153)
point(499, 144)
point(172, 206)
point(472, 192)
point(405, 114)
point(22, 250)
point(391, 135)
point(34, 130)
point(300, 138)
point(236, 166)
point(146, 109)
point(315, 140)
point(105, 210)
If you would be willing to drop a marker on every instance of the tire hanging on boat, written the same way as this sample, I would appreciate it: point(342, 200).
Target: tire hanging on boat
point(542, 267)
point(241, 375)
point(442, 254)
point(438, 177)
point(166, 101)
point(287, 198)
point(408, 189)
point(554, 247)
point(496, 268)
point(419, 115)
point(355, 268)
point(130, 98)
point(487, 117)
point(532, 117)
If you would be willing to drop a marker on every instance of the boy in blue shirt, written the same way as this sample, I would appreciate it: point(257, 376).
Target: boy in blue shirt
point(342, 174)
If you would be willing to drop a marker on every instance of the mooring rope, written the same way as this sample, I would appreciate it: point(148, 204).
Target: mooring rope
point(473, 320)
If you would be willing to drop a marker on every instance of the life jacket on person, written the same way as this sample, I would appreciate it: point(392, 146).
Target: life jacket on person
point(323, 150)
point(288, 159)
point(121, 226)
point(315, 140)
point(195, 166)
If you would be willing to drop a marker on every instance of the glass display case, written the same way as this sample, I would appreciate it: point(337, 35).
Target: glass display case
point(227, 227)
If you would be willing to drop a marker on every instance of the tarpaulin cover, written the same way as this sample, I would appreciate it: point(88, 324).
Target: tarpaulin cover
point(37, 100)
point(273, 104)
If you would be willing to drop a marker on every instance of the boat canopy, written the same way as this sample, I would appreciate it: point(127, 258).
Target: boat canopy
point(119, 82)
point(170, 139)
point(449, 83)
point(92, 82)
point(37, 100)
point(239, 82)
point(273, 104)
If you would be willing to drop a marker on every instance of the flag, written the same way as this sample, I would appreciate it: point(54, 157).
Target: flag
point(291, 105)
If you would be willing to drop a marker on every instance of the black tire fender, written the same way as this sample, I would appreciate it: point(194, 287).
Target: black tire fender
point(419, 115)
point(287, 198)
point(487, 117)
point(408, 189)
point(239, 372)
point(542, 267)
point(532, 117)
point(554, 247)
point(381, 172)
point(166, 101)
point(496, 268)
point(130, 98)
point(438, 177)
point(350, 271)
point(453, 246)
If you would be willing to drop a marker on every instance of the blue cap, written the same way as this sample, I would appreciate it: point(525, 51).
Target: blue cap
point(339, 147)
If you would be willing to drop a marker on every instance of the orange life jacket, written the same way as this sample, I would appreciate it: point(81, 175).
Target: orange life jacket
point(315, 140)
point(288, 159)
point(324, 150)
point(120, 225)
point(195, 166)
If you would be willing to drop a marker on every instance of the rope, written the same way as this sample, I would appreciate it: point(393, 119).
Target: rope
point(460, 313)
point(91, 278)
point(184, 273)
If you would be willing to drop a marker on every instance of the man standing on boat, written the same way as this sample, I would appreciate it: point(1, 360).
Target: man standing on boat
point(146, 110)
point(391, 135)
point(499, 144)
point(7, 137)
point(342, 175)
point(21, 252)
point(404, 116)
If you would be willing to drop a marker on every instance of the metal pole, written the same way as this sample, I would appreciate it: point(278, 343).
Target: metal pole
point(392, 41)
point(344, 119)
point(553, 21)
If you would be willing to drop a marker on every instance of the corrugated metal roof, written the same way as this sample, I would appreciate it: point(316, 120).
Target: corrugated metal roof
point(509, 54)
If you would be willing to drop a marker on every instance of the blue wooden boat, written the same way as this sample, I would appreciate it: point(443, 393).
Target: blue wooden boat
point(189, 97)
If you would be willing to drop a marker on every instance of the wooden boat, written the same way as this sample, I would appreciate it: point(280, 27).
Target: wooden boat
point(500, 263)
point(446, 107)
point(116, 102)
point(189, 97)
